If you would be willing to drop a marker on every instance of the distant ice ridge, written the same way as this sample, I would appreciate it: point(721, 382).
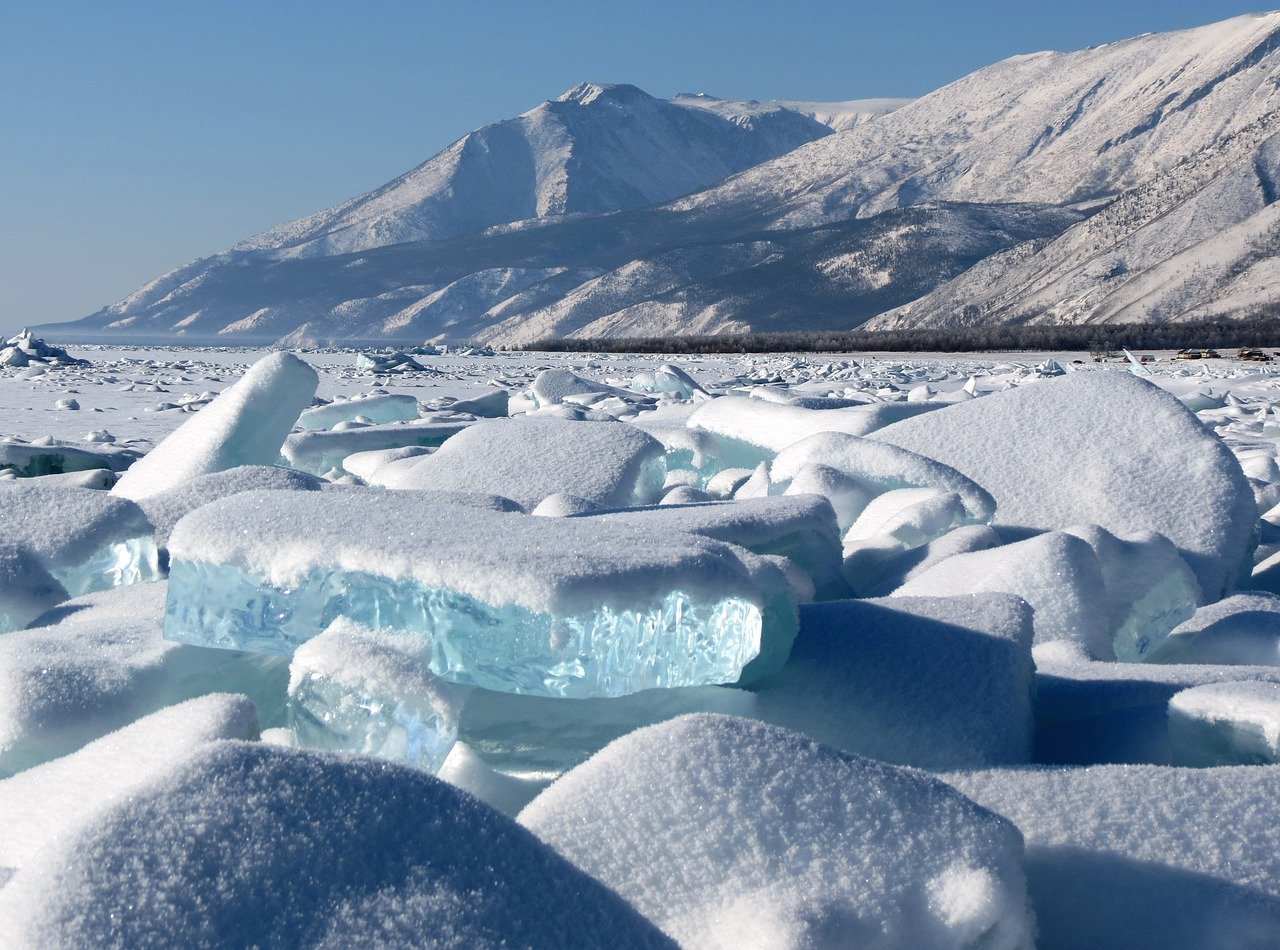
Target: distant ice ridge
point(546, 606)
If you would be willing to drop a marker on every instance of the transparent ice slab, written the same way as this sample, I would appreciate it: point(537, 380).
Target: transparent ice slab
point(680, 641)
point(330, 714)
point(131, 561)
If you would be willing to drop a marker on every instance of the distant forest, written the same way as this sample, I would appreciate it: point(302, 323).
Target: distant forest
point(1093, 338)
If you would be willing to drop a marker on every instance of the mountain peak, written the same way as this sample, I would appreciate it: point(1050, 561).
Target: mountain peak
point(586, 93)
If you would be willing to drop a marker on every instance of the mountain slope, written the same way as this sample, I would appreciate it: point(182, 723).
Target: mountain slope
point(597, 148)
point(1130, 181)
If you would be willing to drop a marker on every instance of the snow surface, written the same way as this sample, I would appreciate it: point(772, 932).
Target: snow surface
point(376, 854)
point(727, 832)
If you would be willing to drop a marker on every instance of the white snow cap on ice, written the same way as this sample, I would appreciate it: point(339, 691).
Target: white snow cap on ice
point(730, 833)
point(245, 425)
point(1226, 724)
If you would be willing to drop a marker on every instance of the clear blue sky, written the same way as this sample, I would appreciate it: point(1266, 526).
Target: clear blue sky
point(135, 136)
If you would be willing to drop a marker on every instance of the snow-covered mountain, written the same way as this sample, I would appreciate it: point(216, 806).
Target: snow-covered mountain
point(1130, 181)
point(597, 148)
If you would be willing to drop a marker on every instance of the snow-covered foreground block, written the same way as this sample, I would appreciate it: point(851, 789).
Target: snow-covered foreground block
point(249, 845)
point(1100, 448)
point(1143, 856)
point(930, 681)
point(99, 662)
point(245, 425)
point(42, 803)
point(607, 464)
point(1226, 724)
point(550, 606)
point(352, 689)
point(727, 832)
point(63, 542)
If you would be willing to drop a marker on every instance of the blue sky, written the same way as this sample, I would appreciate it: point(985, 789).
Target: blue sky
point(135, 136)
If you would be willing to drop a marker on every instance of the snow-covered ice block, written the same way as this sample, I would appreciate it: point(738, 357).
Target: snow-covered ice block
point(938, 682)
point(549, 606)
point(555, 386)
point(727, 832)
point(800, 527)
point(377, 855)
point(97, 479)
point(167, 508)
point(1243, 629)
point(42, 803)
point(507, 793)
point(881, 467)
point(85, 540)
point(1144, 856)
point(491, 404)
point(353, 689)
point(1226, 724)
point(375, 408)
point(1100, 448)
point(245, 425)
point(766, 428)
point(1149, 589)
point(1089, 712)
point(97, 663)
point(323, 452)
point(610, 464)
point(1056, 573)
point(56, 457)
point(539, 737)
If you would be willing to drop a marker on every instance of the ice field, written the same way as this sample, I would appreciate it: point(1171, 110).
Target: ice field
point(477, 649)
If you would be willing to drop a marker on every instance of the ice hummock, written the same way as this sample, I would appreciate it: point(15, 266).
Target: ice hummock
point(1226, 724)
point(609, 464)
point(353, 689)
point(245, 425)
point(374, 408)
point(545, 606)
point(82, 540)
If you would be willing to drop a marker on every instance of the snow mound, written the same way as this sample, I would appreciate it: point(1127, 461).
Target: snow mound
point(1056, 573)
point(727, 832)
point(935, 682)
point(1145, 856)
point(376, 854)
point(1102, 448)
point(1226, 724)
point(609, 464)
point(42, 803)
point(245, 425)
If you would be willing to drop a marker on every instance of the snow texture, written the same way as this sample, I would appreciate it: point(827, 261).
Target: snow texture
point(1142, 856)
point(43, 803)
point(377, 854)
point(727, 832)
